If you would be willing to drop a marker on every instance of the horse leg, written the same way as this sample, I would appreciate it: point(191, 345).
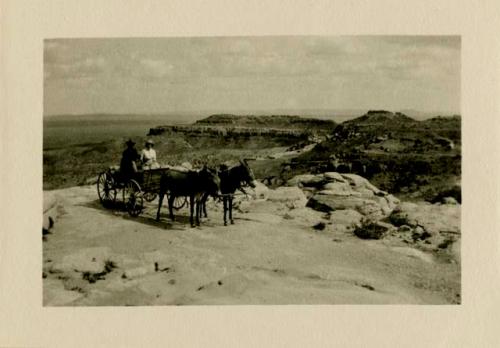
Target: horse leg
point(171, 199)
point(224, 201)
point(231, 210)
point(198, 211)
point(160, 202)
point(191, 209)
point(204, 205)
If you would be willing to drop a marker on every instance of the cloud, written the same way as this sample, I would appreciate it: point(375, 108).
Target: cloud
point(85, 68)
point(59, 52)
point(326, 71)
point(155, 68)
point(452, 42)
point(178, 60)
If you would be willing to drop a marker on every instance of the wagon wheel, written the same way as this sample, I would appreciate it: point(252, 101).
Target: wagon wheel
point(179, 202)
point(106, 189)
point(149, 196)
point(133, 198)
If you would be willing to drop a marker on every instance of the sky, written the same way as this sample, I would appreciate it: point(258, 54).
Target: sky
point(231, 74)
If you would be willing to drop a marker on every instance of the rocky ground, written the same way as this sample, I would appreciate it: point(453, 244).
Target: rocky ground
point(323, 239)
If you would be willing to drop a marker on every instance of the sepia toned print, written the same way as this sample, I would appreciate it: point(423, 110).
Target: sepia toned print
point(290, 170)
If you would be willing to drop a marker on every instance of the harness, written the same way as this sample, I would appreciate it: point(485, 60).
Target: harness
point(232, 195)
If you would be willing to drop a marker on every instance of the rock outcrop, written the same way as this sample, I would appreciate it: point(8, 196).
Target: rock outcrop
point(435, 224)
point(352, 204)
point(292, 197)
point(51, 211)
point(307, 180)
point(333, 191)
point(261, 191)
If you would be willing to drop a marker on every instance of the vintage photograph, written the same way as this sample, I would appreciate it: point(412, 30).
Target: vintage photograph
point(255, 170)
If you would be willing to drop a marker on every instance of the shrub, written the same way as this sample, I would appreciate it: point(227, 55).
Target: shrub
point(370, 230)
point(398, 219)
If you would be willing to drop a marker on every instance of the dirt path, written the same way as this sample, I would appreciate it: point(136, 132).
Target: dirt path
point(262, 259)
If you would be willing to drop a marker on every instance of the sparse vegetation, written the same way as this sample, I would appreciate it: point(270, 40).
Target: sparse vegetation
point(413, 159)
point(78, 163)
point(93, 277)
point(369, 230)
point(398, 219)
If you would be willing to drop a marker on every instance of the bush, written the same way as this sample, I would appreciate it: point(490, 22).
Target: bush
point(437, 197)
point(398, 219)
point(370, 230)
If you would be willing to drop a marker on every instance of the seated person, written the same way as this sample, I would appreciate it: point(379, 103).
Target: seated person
point(148, 156)
point(128, 167)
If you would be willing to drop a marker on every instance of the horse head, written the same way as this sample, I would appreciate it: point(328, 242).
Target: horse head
point(247, 176)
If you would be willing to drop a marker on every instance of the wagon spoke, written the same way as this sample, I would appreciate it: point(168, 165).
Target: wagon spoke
point(133, 198)
point(149, 196)
point(106, 189)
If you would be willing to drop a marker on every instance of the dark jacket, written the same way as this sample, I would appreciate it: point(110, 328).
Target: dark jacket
point(129, 156)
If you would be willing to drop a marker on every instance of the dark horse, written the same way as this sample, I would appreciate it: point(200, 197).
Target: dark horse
point(232, 179)
point(194, 184)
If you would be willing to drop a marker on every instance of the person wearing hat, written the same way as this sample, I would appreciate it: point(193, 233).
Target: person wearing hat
point(148, 156)
point(128, 165)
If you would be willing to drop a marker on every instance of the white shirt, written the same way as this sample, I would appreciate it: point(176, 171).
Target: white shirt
point(148, 157)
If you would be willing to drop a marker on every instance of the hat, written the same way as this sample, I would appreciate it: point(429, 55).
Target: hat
point(150, 141)
point(129, 142)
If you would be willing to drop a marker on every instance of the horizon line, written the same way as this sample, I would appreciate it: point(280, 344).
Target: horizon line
point(256, 112)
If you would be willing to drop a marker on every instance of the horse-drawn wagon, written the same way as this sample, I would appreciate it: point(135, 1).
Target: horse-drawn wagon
point(179, 186)
point(144, 186)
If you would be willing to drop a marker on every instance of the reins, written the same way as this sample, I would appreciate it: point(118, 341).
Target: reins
point(219, 197)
